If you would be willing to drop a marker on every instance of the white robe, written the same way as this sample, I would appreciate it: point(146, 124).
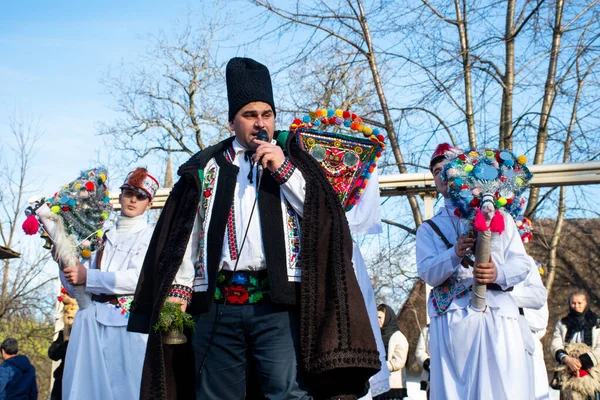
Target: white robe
point(365, 218)
point(531, 296)
point(474, 355)
point(103, 360)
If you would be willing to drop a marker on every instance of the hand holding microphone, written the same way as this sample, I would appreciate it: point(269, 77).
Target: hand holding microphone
point(268, 155)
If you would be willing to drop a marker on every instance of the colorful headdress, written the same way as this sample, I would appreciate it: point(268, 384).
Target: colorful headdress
point(347, 160)
point(486, 181)
point(141, 181)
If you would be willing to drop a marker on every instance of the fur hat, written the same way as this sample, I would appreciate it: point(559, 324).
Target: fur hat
point(142, 182)
point(247, 81)
point(442, 152)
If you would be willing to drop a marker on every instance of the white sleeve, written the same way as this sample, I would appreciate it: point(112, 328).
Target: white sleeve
point(531, 293)
point(433, 267)
point(421, 350)
point(294, 190)
point(185, 274)
point(515, 265)
point(123, 281)
point(365, 216)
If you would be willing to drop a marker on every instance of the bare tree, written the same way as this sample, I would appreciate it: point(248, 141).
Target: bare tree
point(173, 100)
point(348, 27)
point(25, 286)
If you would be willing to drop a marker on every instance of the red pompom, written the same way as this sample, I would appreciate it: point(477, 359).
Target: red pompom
point(324, 121)
point(462, 157)
point(381, 138)
point(497, 223)
point(89, 186)
point(475, 203)
point(354, 116)
point(63, 290)
point(346, 114)
point(59, 298)
point(332, 121)
point(31, 225)
point(509, 201)
point(479, 223)
point(65, 208)
point(378, 154)
point(457, 212)
point(297, 121)
point(503, 178)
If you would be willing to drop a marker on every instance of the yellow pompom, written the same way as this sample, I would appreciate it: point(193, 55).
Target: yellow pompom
point(324, 112)
point(104, 216)
point(86, 253)
point(107, 193)
point(490, 154)
point(77, 185)
point(361, 128)
point(541, 271)
point(339, 113)
point(522, 159)
point(473, 154)
point(368, 130)
point(518, 180)
point(55, 209)
point(103, 177)
point(502, 201)
point(468, 167)
point(99, 234)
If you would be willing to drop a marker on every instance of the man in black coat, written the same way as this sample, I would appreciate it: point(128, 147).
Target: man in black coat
point(284, 295)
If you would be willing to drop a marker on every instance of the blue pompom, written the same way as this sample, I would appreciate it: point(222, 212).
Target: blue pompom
point(330, 112)
point(306, 119)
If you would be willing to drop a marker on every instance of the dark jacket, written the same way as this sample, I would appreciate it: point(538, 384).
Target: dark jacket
point(17, 379)
point(58, 352)
point(337, 346)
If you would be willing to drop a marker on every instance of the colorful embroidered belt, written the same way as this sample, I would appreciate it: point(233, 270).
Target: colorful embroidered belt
point(243, 287)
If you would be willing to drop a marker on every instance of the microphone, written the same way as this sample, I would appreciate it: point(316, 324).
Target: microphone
point(263, 135)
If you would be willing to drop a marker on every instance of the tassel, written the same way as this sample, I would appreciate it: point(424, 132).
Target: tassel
point(479, 223)
point(497, 223)
point(31, 225)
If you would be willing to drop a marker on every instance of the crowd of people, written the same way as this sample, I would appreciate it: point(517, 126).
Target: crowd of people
point(253, 243)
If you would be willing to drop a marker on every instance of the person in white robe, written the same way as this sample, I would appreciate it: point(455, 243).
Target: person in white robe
point(365, 219)
point(531, 297)
point(474, 355)
point(104, 361)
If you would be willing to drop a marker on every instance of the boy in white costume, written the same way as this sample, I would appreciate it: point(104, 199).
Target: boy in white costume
point(474, 355)
point(103, 360)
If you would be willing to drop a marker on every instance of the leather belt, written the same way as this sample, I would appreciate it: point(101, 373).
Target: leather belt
point(495, 286)
point(105, 298)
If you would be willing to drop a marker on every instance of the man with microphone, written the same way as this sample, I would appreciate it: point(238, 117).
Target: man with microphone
point(262, 261)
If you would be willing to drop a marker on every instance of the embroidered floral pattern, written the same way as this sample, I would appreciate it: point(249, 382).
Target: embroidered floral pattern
point(244, 287)
point(443, 295)
point(293, 245)
point(124, 304)
point(231, 234)
point(208, 187)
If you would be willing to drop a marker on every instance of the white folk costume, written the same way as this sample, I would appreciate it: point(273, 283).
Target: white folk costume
point(104, 361)
point(531, 295)
point(365, 218)
point(474, 355)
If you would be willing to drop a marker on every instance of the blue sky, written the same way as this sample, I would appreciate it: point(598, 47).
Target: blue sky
point(52, 57)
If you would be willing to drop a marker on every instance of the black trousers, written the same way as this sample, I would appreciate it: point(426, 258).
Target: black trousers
point(265, 333)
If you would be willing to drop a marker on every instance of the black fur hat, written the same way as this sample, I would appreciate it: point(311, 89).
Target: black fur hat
point(247, 81)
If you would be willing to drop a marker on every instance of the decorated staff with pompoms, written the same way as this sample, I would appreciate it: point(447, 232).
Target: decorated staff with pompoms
point(470, 344)
point(480, 184)
point(72, 220)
